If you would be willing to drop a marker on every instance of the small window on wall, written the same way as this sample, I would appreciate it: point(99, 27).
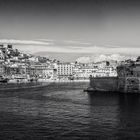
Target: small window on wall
point(138, 74)
point(131, 72)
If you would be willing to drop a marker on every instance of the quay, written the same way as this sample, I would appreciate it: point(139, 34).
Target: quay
point(41, 83)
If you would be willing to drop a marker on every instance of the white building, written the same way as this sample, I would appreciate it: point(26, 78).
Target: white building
point(34, 59)
point(107, 71)
point(84, 72)
point(1, 55)
point(2, 70)
point(65, 69)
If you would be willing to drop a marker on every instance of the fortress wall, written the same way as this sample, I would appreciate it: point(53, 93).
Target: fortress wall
point(105, 83)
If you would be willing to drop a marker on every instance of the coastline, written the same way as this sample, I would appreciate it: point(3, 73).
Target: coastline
point(62, 81)
point(44, 84)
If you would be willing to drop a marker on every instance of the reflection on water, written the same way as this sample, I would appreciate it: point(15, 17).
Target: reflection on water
point(104, 115)
point(118, 116)
point(68, 113)
point(129, 116)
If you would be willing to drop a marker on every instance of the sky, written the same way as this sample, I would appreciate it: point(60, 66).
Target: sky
point(75, 26)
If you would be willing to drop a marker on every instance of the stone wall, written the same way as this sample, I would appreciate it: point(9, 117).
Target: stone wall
point(104, 83)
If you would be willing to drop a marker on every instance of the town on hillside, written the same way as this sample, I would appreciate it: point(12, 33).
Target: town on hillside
point(17, 65)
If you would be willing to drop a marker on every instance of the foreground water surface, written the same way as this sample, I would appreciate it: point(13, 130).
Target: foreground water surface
point(61, 112)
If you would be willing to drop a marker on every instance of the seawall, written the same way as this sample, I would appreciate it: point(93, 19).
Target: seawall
point(104, 83)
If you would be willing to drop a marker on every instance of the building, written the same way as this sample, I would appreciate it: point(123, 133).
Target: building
point(1, 55)
point(101, 64)
point(64, 70)
point(84, 72)
point(2, 69)
point(129, 76)
point(41, 71)
point(12, 69)
point(33, 59)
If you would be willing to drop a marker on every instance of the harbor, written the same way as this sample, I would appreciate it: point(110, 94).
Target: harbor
point(69, 70)
point(63, 112)
point(39, 84)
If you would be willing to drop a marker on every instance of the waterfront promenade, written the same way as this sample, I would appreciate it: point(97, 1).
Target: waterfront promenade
point(43, 84)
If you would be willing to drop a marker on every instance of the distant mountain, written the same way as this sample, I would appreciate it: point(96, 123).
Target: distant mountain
point(103, 57)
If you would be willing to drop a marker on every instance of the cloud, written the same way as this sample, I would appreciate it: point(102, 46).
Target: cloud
point(73, 42)
point(45, 45)
point(70, 46)
point(84, 59)
point(90, 52)
point(115, 57)
point(44, 39)
point(102, 57)
point(112, 46)
point(24, 42)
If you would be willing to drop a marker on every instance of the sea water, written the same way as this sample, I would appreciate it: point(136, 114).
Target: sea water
point(66, 112)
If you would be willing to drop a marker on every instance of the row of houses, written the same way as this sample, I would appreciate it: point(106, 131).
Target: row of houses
point(56, 70)
point(13, 63)
point(78, 71)
point(42, 71)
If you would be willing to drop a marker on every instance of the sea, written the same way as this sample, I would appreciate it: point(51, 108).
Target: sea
point(65, 112)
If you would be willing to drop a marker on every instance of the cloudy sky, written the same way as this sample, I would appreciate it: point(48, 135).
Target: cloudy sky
point(75, 26)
